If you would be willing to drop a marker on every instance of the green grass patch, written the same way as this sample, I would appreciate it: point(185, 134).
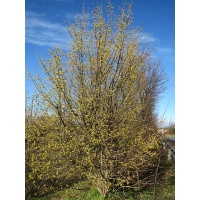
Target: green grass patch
point(170, 135)
point(84, 191)
point(163, 192)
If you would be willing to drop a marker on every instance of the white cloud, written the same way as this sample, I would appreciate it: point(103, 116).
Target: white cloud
point(147, 37)
point(71, 17)
point(166, 53)
point(43, 32)
point(164, 50)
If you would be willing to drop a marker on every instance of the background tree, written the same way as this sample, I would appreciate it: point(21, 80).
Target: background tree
point(103, 93)
point(171, 129)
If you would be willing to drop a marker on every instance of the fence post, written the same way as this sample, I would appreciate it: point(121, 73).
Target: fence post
point(169, 154)
point(164, 144)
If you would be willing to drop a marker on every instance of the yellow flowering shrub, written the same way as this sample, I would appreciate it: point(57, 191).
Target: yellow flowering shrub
point(100, 99)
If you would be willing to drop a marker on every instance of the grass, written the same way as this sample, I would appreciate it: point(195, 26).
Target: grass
point(170, 135)
point(164, 192)
point(84, 191)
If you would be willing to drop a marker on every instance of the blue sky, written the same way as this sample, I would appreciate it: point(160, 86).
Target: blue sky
point(45, 28)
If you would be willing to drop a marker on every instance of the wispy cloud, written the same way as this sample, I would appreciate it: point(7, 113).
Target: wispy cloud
point(42, 32)
point(147, 37)
point(71, 17)
point(164, 50)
